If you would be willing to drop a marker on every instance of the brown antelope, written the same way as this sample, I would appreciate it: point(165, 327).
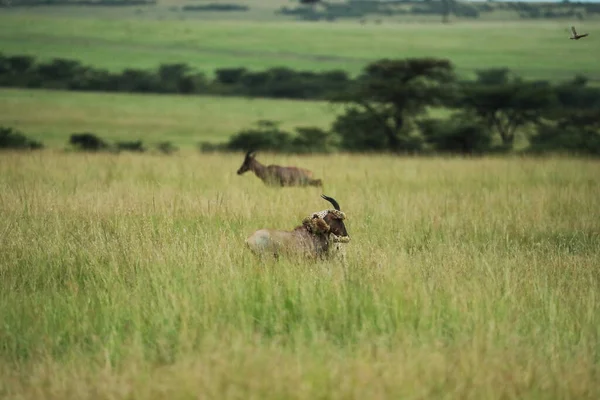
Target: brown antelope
point(276, 175)
point(319, 234)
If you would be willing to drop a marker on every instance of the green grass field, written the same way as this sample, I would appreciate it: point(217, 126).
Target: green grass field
point(125, 276)
point(51, 116)
point(533, 49)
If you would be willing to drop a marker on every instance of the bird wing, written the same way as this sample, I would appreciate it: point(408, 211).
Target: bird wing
point(584, 35)
point(574, 31)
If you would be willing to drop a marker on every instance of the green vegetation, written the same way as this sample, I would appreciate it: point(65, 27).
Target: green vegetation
point(51, 116)
point(125, 276)
point(279, 82)
point(13, 139)
point(387, 108)
point(117, 44)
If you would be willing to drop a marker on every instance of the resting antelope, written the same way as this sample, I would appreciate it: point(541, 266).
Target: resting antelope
point(319, 234)
point(276, 175)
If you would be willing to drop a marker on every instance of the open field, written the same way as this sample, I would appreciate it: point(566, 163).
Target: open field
point(51, 116)
point(125, 276)
point(533, 49)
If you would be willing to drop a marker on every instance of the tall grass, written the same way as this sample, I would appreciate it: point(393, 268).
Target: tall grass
point(125, 276)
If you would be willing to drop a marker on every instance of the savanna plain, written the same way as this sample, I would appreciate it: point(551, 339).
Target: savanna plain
point(126, 276)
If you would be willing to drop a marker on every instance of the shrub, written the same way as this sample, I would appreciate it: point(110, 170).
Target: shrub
point(572, 131)
point(87, 142)
point(313, 140)
point(136, 146)
point(360, 131)
point(166, 147)
point(267, 136)
point(209, 147)
point(13, 139)
point(458, 134)
point(216, 7)
point(574, 140)
point(363, 132)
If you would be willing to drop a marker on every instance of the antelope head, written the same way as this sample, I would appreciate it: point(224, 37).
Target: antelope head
point(247, 162)
point(328, 222)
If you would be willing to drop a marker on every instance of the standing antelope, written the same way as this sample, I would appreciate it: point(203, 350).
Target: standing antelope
point(315, 238)
point(276, 175)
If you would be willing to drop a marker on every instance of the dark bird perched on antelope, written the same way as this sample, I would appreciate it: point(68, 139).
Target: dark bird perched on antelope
point(276, 175)
point(575, 36)
point(319, 236)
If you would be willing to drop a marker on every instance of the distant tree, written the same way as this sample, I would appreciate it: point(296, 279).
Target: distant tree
point(568, 130)
point(496, 76)
point(312, 8)
point(87, 141)
point(59, 70)
point(230, 76)
point(457, 134)
point(12, 139)
point(135, 146)
point(447, 7)
point(19, 64)
point(507, 106)
point(136, 80)
point(265, 136)
point(166, 147)
point(313, 140)
point(386, 99)
point(171, 75)
point(576, 94)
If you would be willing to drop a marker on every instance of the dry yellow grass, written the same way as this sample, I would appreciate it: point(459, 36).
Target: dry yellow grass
point(125, 276)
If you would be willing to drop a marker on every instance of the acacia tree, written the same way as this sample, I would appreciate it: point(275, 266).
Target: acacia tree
point(503, 102)
point(568, 130)
point(387, 97)
point(506, 107)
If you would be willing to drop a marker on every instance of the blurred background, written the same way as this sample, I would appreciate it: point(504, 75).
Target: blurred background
point(300, 76)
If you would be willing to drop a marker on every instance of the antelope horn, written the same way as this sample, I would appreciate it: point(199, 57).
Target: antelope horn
point(332, 201)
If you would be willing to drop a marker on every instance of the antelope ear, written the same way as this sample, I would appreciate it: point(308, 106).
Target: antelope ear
point(321, 226)
point(316, 225)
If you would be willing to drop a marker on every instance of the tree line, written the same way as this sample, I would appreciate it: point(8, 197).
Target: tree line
point(322, 10)
point(390, 107)
point(179, 78)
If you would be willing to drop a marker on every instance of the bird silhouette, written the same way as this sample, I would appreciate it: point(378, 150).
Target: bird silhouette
point(575, 36)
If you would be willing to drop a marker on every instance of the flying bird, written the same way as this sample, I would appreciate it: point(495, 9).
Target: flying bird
point(575, 36)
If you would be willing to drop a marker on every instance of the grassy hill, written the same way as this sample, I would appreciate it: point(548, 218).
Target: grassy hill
point(51, 116)
point(535, 49)
point(126, 276)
